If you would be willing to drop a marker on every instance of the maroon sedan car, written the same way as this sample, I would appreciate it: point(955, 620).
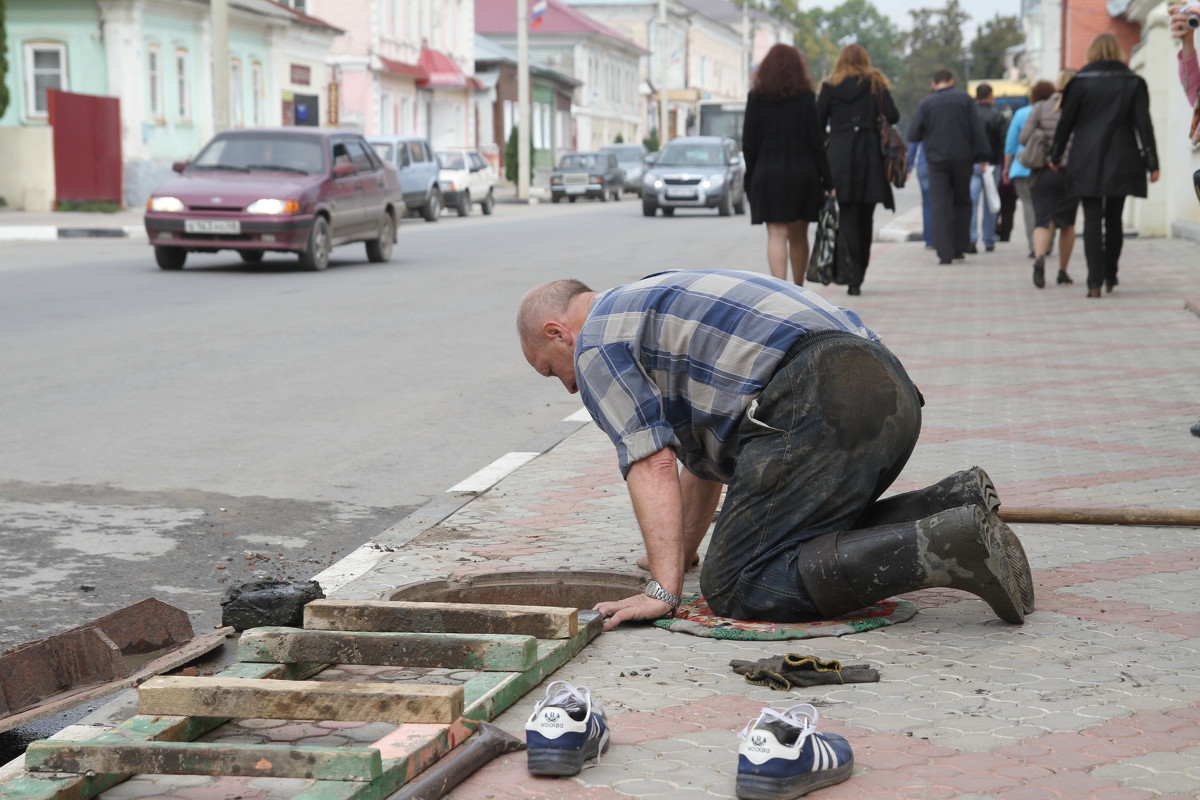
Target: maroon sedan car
point(287, 189)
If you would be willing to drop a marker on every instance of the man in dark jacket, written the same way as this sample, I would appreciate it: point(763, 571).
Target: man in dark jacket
point(946, 122)
point(994, 127)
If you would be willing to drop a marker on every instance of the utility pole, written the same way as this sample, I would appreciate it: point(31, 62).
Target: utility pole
point(663, 64)
point(746, 41)
point(523, 132)
point(219, 11)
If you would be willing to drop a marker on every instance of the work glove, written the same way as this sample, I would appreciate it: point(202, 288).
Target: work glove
point(789, 671)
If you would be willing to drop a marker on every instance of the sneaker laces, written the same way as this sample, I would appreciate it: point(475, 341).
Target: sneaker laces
point(569, 698)
point(801, 717)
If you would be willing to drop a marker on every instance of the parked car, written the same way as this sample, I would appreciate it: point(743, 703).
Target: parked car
point(632, 159)
point(413, 157)
point(466, 177)
point(695, 172)
point(587, 175)
point(300, 190)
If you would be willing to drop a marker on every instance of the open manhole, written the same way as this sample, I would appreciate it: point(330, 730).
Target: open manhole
point(529, 588)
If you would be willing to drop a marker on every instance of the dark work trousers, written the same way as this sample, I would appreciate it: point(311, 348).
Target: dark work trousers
point(950, 207)
point(825, 438)
point(1008, 207)
point(855, 221)
point(1103, 237)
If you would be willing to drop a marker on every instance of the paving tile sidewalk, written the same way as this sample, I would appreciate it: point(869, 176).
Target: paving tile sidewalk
point(1064, 400)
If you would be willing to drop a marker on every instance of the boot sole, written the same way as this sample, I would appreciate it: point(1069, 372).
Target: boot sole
point(1009, 604)
point(989, 497)
point(1018, 563)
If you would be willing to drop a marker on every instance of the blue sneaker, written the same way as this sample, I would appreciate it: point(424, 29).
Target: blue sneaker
point(565, 730)
point(783, 757)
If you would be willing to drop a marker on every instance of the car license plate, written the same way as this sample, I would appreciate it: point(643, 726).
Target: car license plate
point(576, 189)
point(212, 226)
point(689, 194)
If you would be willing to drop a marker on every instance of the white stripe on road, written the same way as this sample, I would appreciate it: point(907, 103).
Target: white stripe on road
point(28, 233)
point(350, 568)
point(581, 415)
point(493, 473)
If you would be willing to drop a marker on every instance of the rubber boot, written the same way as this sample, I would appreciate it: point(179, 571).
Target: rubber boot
point(963, 548)
point(964, 488)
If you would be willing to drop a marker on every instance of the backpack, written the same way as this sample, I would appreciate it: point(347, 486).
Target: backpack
point(1037, 150)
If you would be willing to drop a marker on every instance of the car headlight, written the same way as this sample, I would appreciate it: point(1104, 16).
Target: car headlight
point(713, 181)
point(658, 183)
point(270, 205)
point(555, 181)
point(164, 204)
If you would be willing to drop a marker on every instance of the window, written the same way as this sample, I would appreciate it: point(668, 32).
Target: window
point(183, 84)
point(235, 94)
point(358, 157)
point(45, 69)
point(154, 85)
point(259, 93)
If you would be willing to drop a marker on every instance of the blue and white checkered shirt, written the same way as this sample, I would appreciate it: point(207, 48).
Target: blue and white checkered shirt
point(675, 359)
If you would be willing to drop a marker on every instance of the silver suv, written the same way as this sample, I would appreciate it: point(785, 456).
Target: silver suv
point(695, 172)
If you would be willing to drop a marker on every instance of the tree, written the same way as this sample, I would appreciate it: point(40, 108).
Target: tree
point(510, 157)
point(821, 34)
point(3, 61)
point(651, 141)
point(987, 50)
point(935, 42)
point(619, 140)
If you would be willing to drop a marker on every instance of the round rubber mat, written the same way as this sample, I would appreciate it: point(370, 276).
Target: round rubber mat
point(696, 618)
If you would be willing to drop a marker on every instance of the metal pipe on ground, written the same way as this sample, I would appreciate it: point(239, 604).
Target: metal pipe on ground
point(1123, 515)
point(462, 763)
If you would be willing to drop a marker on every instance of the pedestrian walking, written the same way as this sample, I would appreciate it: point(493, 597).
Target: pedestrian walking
point(983, 219)
point(852, 100)
point(1055, 204)
point(1014, 170)
point(918, 164)
point(947, 124)
point(787, 171)
point(1107, 108)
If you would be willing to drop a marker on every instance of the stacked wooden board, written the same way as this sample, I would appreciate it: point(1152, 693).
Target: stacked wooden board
point(512, 648)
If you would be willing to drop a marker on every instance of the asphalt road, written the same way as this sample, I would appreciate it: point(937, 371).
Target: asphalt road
point(175, 434)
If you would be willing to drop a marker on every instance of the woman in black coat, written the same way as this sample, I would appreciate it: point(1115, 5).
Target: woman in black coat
point(1107, 107)
point(851, 101)
point(787, 172)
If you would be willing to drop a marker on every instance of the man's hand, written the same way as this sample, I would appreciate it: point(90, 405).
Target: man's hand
point(639, 606)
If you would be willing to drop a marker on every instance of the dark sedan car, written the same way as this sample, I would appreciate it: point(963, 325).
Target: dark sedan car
point(288, 189)
point(587, 175)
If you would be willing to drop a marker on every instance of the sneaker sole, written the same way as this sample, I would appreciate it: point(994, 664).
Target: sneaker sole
point(757, 787)
point(565, 763)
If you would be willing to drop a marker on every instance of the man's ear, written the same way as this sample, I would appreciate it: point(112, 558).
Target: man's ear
point(555, 330)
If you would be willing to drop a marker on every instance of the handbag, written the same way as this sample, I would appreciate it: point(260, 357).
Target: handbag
point(991, 193)
point(824, 252)
point(895, 153)
point(1036, 151)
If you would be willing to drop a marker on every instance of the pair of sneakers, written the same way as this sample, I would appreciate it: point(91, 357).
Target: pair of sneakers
point(782, 755)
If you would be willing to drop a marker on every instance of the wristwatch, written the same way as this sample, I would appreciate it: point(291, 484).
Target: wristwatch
point(654, 589)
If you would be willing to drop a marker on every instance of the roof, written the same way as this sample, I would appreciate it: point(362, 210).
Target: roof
point(500, 17)
point(488, 51)
point(442, 70)
point(274, 8)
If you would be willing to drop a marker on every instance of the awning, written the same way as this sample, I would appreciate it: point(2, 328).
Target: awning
point(400, 68)
point(442, 70)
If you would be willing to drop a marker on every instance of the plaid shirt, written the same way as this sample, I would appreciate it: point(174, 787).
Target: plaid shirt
point(674, 359)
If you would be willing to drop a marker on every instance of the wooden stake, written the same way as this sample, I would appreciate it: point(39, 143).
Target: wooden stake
point(1123, 515)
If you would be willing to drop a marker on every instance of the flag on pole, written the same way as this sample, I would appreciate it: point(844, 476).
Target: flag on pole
point(537, 14)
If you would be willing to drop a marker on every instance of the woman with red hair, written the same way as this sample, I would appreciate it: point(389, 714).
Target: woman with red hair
point(787, 171)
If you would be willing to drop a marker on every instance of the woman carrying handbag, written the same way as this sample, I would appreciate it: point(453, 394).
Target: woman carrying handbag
point(851, 101)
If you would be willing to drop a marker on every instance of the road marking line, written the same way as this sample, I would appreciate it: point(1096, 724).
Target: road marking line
point(492, 474)
point(350, 568)
point(581, 415)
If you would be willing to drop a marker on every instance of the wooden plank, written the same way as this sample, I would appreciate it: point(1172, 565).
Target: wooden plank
point(544, 622)
point(492, 652)
point(141, 728)
point(411, 749)
point(199, 758)
point(324, 700)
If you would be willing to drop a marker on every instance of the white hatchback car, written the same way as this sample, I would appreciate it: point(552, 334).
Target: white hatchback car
point(466, 178)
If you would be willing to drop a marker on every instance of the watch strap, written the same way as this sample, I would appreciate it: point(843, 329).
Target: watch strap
point(654, 589)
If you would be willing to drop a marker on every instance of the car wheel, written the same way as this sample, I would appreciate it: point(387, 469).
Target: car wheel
point(488, 203)
point(555, 198)
point(170, 257)
point(603, 196)
point(725, 209)
point(573, 198)
point(648, 208)
point(316, 252)
point(251, 256)
point(380, 248)
point(668, 212)
point(740, 206)
point(433, 208)
point(617, 195)
point(464, 204)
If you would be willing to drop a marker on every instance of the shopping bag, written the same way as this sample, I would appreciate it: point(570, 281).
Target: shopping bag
point(824, 252)
point(989, 189)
